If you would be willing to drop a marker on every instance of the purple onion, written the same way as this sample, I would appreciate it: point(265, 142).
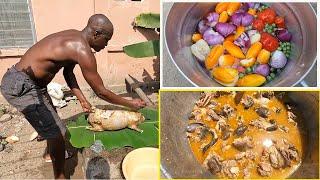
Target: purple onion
point(256, 5)
point(250, 4)
point(236, 18)
point(212, 37)
point(243, 41)
point(262, 69)
point(212, 19)
point(253, 5)
point(202, 26)
point(244, 8)
point(247, 19)
point(225, 28)
point(242, 19)
point(278, 59)
point(283, 35)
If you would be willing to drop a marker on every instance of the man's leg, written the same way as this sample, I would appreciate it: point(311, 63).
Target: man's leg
point(45, 120)
point(56, 147)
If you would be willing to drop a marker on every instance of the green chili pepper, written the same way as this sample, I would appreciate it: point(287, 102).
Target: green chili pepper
point(248, 70)
point(269, 78)
point(272, 69)
point(272, 75)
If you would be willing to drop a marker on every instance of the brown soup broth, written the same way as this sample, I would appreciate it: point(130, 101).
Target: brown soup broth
point(259, 136)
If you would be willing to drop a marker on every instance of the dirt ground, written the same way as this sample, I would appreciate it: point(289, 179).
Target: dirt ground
point(23, 159)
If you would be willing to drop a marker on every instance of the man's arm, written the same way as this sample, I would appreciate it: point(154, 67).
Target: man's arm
point(88, 65)
point(73, 85)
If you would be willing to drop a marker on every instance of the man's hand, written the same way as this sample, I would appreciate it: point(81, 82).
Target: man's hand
point(86, 106)
point(137, 104)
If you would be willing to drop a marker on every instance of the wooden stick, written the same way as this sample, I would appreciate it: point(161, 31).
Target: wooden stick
point(139, 91)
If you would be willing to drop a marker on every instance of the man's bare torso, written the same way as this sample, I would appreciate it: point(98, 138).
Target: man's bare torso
point(43, 60)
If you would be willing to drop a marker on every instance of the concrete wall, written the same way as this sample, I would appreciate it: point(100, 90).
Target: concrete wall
point(56, 15)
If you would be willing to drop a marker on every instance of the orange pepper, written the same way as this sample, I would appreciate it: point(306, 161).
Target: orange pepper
point(233, 49)
point(263, 56)
point(225, 74)
point(248, 62)
point(220, 7)
point(252, 12)
point(251, 80)
point(254, 50)
point(233, 7)
point(239, 31)
point(212, 58)
point(226, 60)
point(229, 38)
point(196, 37)
point(223, 17)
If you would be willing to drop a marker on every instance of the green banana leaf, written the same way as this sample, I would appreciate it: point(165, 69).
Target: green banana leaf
point(143, 49)
point(81, 137)
point(147, 20)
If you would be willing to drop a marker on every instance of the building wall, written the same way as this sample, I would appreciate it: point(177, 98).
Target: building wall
point(51, 16)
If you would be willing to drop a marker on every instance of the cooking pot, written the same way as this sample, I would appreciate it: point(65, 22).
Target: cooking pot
point(178, 161)
point(301, 21)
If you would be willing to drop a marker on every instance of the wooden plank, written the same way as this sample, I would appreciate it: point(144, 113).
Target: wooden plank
point(139, 91)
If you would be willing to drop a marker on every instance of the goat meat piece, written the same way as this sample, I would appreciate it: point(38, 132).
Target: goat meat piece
point(267, 94)
point(240, 130)
point(276, 159)
point(264, 169)
point(262, 112)
point(213, 163)
point(227, 110)
point(242, 144)
point(230, 168)
point(247, 102)
point(238, 97)
point(213, 115)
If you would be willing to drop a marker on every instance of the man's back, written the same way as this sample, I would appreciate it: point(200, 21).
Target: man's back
point(43, 60)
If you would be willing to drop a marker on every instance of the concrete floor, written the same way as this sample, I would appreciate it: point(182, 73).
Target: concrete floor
point(171, 77)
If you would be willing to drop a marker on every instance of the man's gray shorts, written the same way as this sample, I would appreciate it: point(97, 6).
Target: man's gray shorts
point(33, 101)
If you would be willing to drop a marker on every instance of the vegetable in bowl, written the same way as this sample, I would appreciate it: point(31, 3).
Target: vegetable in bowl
point(244, 39)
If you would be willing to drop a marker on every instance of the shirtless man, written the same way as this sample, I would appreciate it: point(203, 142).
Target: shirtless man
point(24, 84)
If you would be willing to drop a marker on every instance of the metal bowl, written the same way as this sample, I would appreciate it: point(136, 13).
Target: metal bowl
point(301, 21)
point(178, 161)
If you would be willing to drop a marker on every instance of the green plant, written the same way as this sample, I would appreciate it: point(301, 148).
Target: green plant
point(148, 48)
point(148, 20)
point(81, 137)
point(143, 49)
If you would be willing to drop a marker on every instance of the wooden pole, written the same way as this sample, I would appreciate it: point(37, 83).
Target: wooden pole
point(139, 91)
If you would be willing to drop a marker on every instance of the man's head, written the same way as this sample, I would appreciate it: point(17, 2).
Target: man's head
point(100, 30)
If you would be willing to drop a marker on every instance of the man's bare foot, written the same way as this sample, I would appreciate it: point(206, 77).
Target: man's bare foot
point(40, 138)
point(48, 159)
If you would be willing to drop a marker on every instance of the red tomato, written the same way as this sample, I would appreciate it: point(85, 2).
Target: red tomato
point(269, 42)
point(279, 21)
point(258, 24)
point(268, 15)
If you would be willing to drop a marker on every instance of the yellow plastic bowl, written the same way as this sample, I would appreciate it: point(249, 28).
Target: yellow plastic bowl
point(142, 163)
